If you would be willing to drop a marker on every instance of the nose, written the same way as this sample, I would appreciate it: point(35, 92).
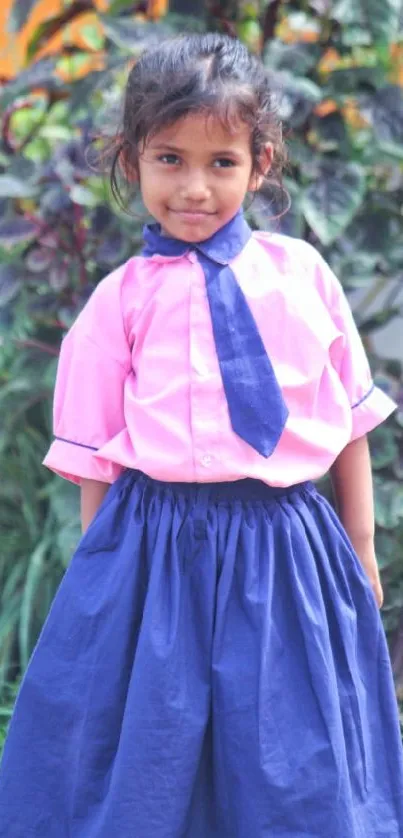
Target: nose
point(195, 187)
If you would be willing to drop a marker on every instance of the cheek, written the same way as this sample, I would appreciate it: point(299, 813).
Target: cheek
point(235, 187)
point(153, 186)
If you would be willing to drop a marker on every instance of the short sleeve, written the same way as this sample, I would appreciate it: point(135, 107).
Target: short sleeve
point(88, 409)
point(369, 404)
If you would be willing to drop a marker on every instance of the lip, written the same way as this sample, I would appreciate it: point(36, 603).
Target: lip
point(192, 216)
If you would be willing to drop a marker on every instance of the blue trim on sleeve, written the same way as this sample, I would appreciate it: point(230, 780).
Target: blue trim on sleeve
point(79, 444)
point(357, 404)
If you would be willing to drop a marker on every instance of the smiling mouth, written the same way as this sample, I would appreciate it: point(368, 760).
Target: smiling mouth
point(192, 214)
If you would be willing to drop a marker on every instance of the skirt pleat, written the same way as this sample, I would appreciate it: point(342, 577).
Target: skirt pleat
point(213, 666)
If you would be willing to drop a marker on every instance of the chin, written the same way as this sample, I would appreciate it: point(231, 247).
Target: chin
point(193, 235)
point(196, 232)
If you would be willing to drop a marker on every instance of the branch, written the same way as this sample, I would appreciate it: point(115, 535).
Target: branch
point(37, 344)
point(270, 20)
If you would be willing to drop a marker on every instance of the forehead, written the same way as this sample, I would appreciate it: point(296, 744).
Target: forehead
point(207, 130)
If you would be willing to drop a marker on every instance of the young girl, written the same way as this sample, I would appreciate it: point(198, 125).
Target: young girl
point(214, 664)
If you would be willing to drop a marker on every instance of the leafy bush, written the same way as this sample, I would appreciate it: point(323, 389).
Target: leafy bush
point(335, 68)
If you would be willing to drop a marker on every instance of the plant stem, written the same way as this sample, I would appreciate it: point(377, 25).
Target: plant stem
point(270, 20)
point(30, 343)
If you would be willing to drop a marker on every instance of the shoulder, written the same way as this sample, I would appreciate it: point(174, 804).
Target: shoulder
point(298, 259)
point(103, 319)
point(112, 286)
point(287, 250)
point(107, 300)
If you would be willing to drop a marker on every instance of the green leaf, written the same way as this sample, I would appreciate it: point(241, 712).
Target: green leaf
point(330, 203)
point(19, 14)
point(388, 496)
point(12, 582)
point(9, 616)
point(391, 149)
point(352, 80)
point(72, 64)
point(13, 187)
point(176, 23)
point(372, 231)
point(356, 36)
point(83, 196)
point(331, 133)
point(397, 466)
point(18, 385)
point(385, 546)
point(115, 7)
point(21, 168)
point(84, 89)
point(295, 97)
point(378, 17)
point(33, 577)
point(92, 36)
point(297, 58)
point(38, 75)
point(52, 25)
point(57, 132)
point(395, 258)
point(358, 268)
point(384, 449)
point(65, 506)
point(379, 320)
point(385, 111)
point(128, 34)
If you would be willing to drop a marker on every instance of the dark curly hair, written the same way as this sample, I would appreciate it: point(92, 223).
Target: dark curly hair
point(211, 73)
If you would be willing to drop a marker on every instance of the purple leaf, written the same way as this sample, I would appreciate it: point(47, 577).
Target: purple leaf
point(17, 231)
point(10, 283)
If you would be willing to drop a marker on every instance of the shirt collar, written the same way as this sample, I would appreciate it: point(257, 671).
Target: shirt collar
point(221, 248)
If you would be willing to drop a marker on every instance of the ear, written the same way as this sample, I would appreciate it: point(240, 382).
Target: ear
point(264, 166)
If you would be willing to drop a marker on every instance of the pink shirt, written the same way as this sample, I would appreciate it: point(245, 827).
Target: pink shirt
point(139, 385)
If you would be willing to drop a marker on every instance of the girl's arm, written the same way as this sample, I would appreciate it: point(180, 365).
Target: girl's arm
point(92, 495)
point(352, 483)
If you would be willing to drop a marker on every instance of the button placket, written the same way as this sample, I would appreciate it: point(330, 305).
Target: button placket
point(203, 378)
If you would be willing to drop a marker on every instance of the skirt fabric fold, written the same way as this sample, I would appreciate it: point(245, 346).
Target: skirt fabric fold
point(213, 666)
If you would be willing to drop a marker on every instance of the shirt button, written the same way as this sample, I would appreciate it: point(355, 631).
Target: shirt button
point(206, 460)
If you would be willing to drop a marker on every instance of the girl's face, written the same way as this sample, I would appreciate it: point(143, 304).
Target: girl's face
point(194, 175)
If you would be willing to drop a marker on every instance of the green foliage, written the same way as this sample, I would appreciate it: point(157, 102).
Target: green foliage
point(6, 709)
point(337, 86)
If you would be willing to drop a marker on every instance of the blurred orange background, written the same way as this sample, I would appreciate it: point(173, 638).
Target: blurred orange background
point(13, 47)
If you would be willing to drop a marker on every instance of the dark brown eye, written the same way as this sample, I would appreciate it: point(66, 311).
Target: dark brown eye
point(169, 159)
point(223, 163)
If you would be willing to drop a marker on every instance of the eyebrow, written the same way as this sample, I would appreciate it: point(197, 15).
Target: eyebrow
point(167, 147)
point(219, 153)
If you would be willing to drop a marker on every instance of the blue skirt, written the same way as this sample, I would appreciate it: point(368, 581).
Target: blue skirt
point(213, 666)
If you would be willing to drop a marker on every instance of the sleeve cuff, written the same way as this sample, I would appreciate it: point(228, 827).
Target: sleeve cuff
point(371, 411)
point(76, 462)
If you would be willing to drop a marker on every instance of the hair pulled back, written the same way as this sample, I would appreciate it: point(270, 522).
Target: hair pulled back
point(209, 73)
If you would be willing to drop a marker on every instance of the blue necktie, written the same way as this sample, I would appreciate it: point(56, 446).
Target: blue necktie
point(256, 406)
